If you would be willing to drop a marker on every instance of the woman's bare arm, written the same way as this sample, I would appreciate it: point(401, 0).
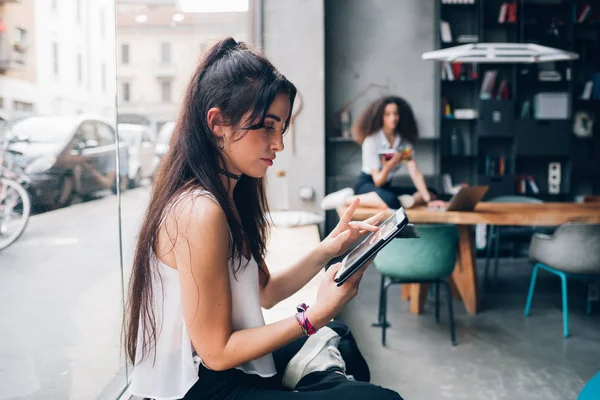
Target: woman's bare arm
point(199, 232)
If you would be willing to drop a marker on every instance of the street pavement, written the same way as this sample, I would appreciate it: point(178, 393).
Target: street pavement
point(61, 301)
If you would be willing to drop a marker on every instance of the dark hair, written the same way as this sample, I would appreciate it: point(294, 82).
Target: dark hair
point(239, 81)
point(371, 120)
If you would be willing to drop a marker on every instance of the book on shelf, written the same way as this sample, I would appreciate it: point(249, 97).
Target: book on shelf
point(487, 86)
point(507, 13)
point(596, 90)
point(525, 181)
point(503, 93)
point(458, 1)
point(586, 94)
point(458, 71)
point(583, 13)
point(445, 32)
point(467, 38)
point(446, 108)
point(495, 166)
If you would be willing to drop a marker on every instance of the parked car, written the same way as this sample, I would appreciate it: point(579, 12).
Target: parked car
point(67, 158)
point(141, 150)
point(164, 135)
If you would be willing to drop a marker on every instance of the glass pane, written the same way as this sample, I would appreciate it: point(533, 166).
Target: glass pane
point(61, 288)
point(160, 45)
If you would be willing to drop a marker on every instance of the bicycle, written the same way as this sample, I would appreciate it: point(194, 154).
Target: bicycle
point(15, 203)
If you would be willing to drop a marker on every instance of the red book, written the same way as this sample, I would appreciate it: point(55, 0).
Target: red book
point(512, 13)
point(456, 69)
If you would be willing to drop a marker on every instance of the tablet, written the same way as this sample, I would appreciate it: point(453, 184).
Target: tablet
point(371, 245)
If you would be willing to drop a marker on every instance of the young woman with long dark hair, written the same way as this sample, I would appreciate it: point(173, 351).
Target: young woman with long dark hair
point(194, 325)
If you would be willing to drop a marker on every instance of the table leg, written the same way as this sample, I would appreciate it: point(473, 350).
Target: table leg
point(405, 289)
point(464, 275)
point(418, 295)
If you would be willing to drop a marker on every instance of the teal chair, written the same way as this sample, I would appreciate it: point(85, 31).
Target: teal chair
point(591, 390)
point(429, 259)
point(573, 251)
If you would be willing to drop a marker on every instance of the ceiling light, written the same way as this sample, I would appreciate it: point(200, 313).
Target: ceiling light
point(500, 53)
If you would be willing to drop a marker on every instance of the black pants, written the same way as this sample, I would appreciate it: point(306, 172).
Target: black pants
point(235, 384)
point(388, 193)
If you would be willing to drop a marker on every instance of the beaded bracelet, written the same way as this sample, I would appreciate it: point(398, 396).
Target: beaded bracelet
point(303, 321)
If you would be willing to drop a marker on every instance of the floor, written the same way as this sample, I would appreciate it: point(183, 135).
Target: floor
point(500, 354)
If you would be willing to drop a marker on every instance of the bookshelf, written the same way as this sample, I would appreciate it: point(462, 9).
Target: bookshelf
point(521, 134)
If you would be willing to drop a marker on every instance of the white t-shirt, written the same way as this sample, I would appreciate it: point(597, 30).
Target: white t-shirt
point(174, 369)
point(371, 147)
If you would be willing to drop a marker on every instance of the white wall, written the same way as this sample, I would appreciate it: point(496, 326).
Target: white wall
point(381, 41)
point(63, 94)
point(294, 42)
point(12, 89)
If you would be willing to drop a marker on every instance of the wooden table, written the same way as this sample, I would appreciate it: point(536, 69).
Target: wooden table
point(464, 276)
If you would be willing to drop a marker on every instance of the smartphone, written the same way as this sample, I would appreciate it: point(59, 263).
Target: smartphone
point(387, 154)
point(369, 247)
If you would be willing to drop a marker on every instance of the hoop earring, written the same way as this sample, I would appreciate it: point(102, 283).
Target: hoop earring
point(221, 143)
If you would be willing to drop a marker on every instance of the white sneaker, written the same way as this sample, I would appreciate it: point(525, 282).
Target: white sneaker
point(336, 199)
point(407, 201)
point(319, 353)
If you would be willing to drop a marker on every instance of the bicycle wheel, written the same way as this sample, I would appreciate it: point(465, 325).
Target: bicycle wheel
point(15, 207)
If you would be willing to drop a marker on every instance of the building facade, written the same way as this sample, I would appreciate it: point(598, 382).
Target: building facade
point(17, 58)
point(158, 47)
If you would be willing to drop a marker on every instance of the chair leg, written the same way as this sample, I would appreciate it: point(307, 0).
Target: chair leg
point(563, 279)
point(488, 255)
point(384, 323)
point(592, 294)
point(380, 311)
point(531, 288)
point(450, 313)
point(380, 307)
point(496, 257)
point(437, 301)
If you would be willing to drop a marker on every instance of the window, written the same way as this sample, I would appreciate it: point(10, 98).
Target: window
point(78, 10)
point(124, 54)
point(20, 39)
point(165, 53)
point(103, 77)
point(106, 135)
point(21, 36)
point(146, 136)
point(22, 106)
point(88, 132)
point(165, 91)
point(79, 69)
point(55, 57)
point(125, 87)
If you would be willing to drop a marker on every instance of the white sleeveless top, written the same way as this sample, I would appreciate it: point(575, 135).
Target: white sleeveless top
point(174, 369)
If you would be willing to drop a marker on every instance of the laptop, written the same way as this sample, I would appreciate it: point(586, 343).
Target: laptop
point(467, 198)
